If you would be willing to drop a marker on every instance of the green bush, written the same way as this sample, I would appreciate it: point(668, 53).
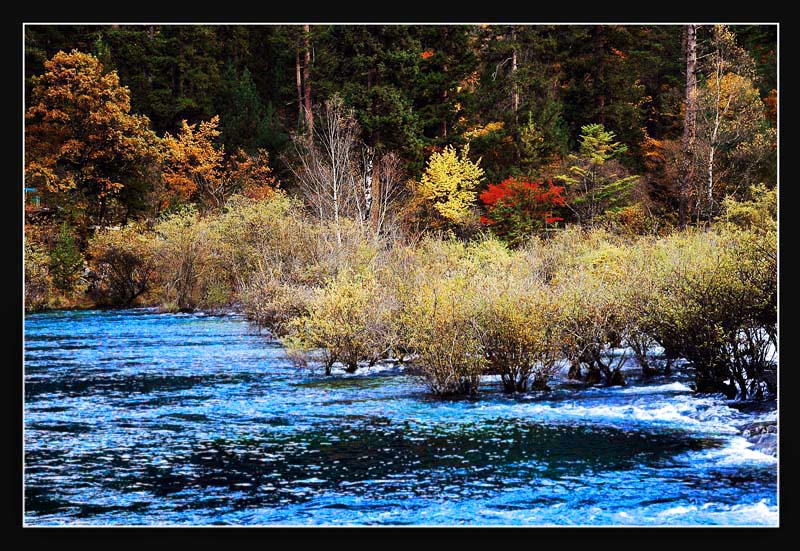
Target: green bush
point(66, 261)
point(588, 287)
point(595, 324)
point(274, 256)
point(251, 237)
point(759, 212)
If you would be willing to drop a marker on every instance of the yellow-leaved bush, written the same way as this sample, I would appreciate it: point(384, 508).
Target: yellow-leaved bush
point(347, 322)
point(519, 326)
point(449, 184)
point(440, 327)
point(455, 310)
point(124, 264)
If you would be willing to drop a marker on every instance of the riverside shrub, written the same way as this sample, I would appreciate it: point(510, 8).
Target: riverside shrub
point(519, 328)
point(718, 307)
point(124, 264)
point(66, 261)
point(347, 320)
point(594, 327)
point(184, 258)
point(38, 284)
point(438, 319)
point(460, 309)
point(645, 271)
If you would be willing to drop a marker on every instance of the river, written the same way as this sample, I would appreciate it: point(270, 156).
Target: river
point(139, 418)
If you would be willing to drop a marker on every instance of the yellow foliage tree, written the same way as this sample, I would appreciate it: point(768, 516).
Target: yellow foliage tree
point(449, 183)
point(735, 145)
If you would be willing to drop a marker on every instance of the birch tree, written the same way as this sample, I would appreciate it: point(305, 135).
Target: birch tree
point(326, 164)
point(341, 177)
point(733, 138)
point(389, 193)
point(379, 188)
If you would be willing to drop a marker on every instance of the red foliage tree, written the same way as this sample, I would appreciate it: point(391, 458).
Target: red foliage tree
point(517, 209)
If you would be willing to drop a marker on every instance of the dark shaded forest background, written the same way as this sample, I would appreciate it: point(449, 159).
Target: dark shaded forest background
point(518, 94)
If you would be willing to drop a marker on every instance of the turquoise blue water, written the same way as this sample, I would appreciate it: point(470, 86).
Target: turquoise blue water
point(139, 418)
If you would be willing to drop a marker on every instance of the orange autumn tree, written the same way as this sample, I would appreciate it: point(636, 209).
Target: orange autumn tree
point(192, 163)
point(83, 146)
point(517, 209)
point(196, 169)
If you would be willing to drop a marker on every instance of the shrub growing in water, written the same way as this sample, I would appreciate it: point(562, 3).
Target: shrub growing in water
point(644, 268)
point(520, 330)
point(348, 319)
point(272, 304)
point(596, 320)
point(438, 321)
point(718, 305)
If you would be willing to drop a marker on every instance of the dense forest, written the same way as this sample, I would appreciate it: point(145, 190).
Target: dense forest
point(518, 95)
point(478, 197)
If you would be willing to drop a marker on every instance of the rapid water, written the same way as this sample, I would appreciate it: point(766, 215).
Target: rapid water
point(134, 417)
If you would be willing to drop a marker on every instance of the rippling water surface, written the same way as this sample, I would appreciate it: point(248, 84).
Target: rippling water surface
point(134, 417)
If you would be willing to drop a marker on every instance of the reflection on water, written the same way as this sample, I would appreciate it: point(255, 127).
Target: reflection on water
point(133, 417)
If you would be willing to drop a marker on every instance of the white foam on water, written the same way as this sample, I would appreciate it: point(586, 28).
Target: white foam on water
point(757, 513)
point(739, 451)
point(654, 389)
point(383, 367)
point(687, 412)
point(753, 514)
point(338, 370)
point(679, 510)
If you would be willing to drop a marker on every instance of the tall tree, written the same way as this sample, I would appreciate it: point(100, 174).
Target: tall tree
point(240, 109)
point(596, 181)
point(307, 78)
point(440, 90)
point(192, 56)
point(689, 128)
point(514, 116)
point(327, 172)
point(375, 69)
point(82, 143)
point(734, 139)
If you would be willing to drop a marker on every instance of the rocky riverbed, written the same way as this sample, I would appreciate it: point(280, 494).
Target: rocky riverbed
point(763, 435)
